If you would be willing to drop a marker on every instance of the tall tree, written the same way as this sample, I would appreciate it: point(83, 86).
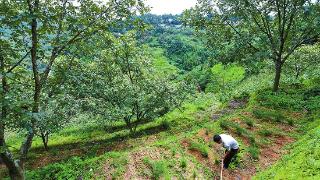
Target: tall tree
point(34, 34)
point(275, 27)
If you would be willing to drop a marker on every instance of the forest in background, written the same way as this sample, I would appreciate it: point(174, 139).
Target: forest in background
point(96, 91)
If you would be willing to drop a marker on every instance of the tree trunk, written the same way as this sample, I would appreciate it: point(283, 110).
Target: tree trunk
point(15, 169)
point(16, 173)
point(129, 124)
point(278, 68)
point(45, 140)
point(297, 72)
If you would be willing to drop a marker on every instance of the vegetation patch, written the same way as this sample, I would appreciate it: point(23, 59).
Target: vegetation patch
point(303, 160)
point(158, 168)
point(203, 149)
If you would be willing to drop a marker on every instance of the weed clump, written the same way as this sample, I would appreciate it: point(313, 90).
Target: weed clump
point(290, 122)
point(249, 122)
point(225, 125)
point(199, 147)
point(159, 168)
point(165, 124)
point(270, 115)
point(183, 163)
point(265, 132)
point(254, 152)
point(240, 131)
point(252, 140)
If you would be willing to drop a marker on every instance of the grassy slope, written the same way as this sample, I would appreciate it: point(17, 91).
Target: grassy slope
point(178, 144)
point(186, 143)
point(302, 162)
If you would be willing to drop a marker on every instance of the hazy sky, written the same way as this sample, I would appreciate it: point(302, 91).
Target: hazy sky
point(169, 6)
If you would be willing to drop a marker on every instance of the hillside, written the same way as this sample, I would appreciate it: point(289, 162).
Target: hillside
point(180, 145)
point(105, 90)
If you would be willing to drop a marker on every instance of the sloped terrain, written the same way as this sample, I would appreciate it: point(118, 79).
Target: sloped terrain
point(179, 145)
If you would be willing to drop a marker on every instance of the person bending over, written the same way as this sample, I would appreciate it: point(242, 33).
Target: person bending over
point(231, 146)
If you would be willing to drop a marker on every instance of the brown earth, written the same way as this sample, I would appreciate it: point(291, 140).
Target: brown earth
point(268, 155)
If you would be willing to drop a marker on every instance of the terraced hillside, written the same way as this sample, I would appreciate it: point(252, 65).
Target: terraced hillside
point(179, 145)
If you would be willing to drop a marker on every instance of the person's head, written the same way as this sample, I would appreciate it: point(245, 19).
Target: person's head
point(217, 139)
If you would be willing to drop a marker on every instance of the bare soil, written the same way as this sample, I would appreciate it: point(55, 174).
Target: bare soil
point(269, 155)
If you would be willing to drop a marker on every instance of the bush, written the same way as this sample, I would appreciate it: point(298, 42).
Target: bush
point(313, 104)
point(203, 149)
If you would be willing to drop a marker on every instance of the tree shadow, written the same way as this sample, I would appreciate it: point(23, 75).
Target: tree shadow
point(62, 152)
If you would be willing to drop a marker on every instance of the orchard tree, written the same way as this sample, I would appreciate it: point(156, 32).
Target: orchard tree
point(126, 86)
point(34, 33)
point(274, 28)
point(57, 106)
point(304, 61)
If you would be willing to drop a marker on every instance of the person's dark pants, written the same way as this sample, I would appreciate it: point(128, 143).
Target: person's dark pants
point(229, 156)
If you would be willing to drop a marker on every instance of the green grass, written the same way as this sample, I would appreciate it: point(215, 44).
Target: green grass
point(303, 162)
point(203, 149)
point(265, 132)
point(254, 152)
point(249, 122)
point(168, 133)
point(159, 169)
point(183, 163)
point(269, 115)
point(77, 167)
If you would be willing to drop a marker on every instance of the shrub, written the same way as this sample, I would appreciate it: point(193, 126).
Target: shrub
point(199, 147)
point(313, 104)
